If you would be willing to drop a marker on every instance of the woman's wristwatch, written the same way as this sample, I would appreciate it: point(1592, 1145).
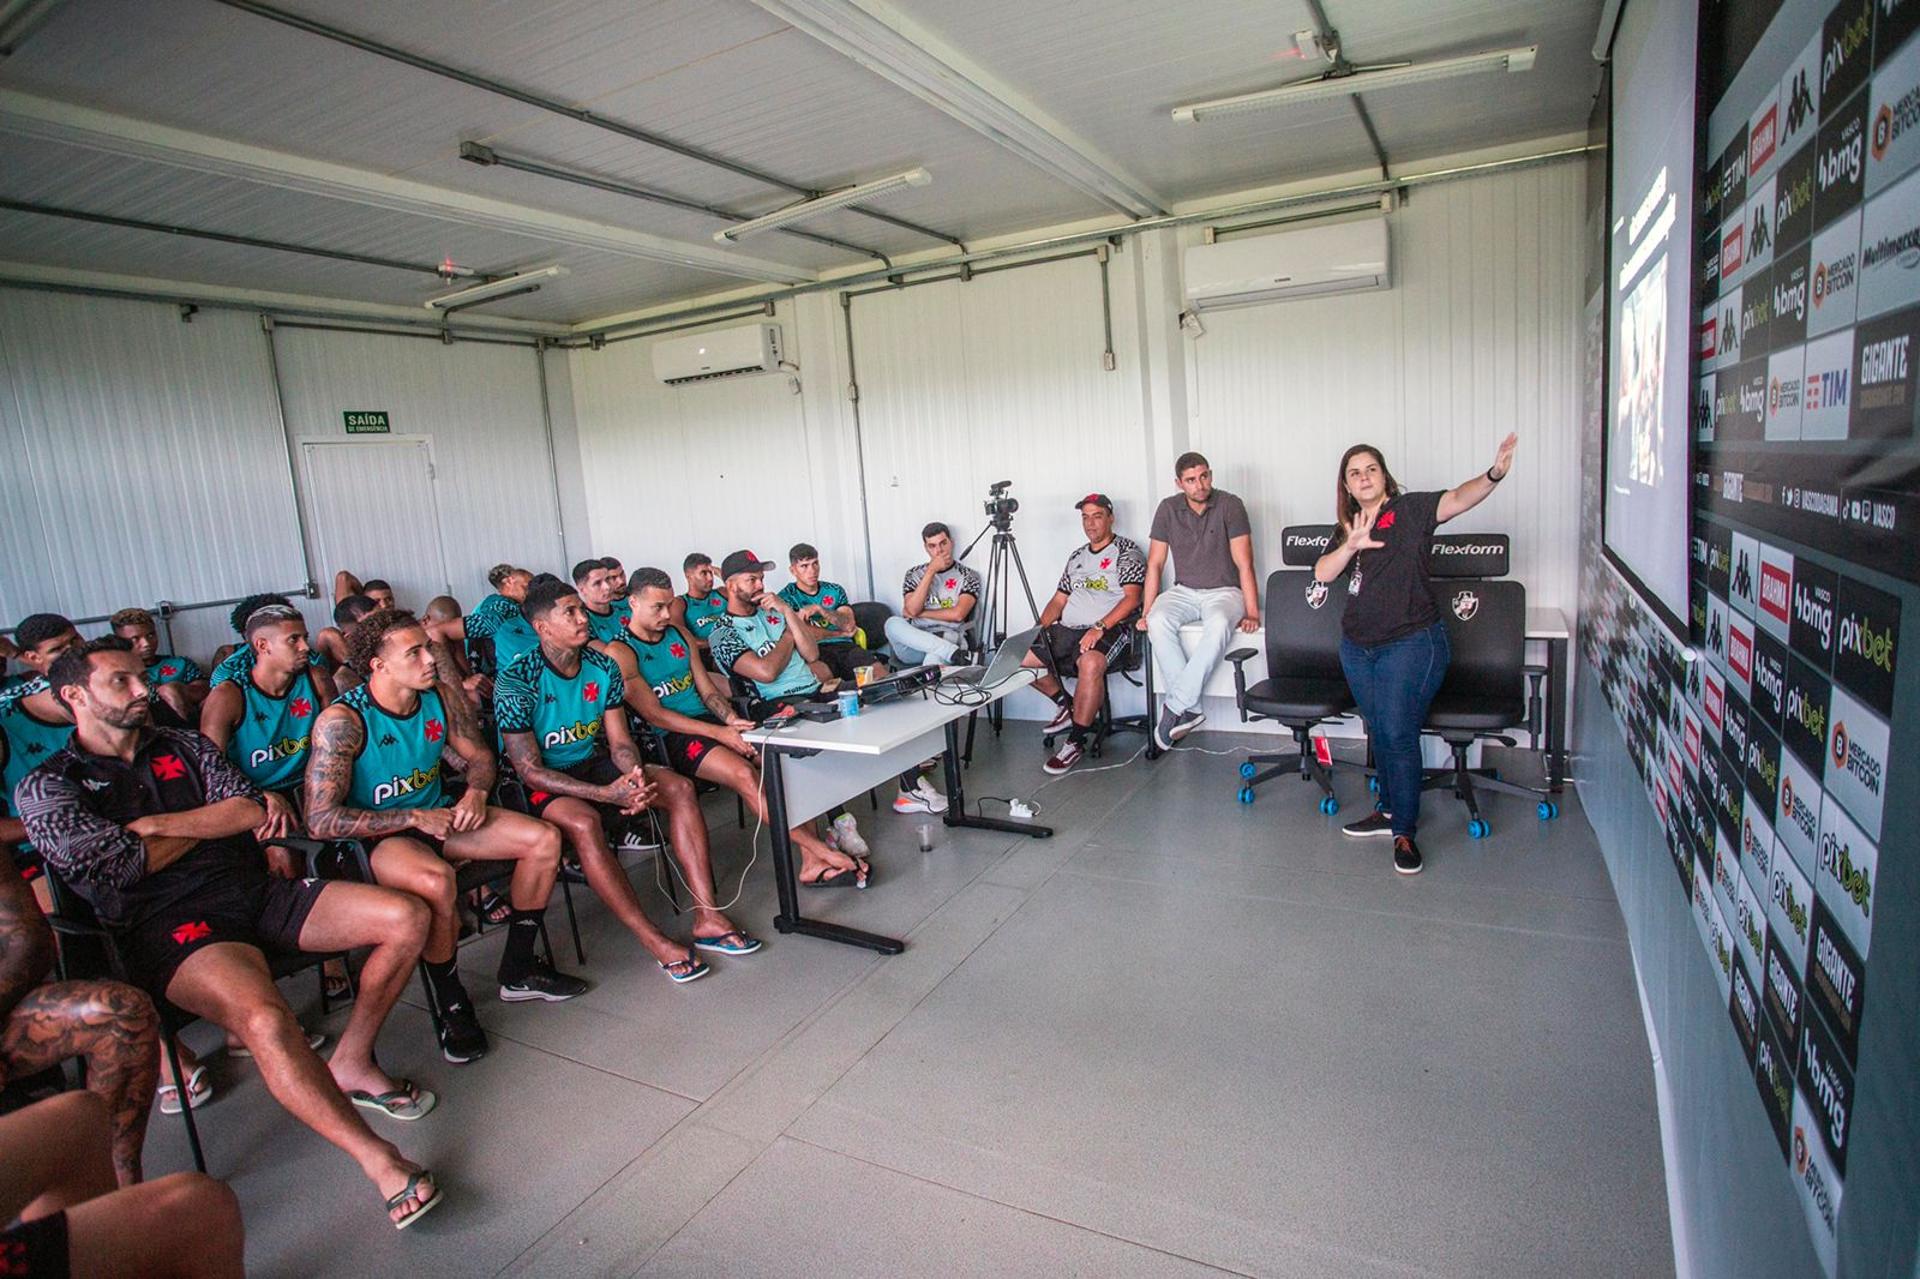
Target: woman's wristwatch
point(1495, 479)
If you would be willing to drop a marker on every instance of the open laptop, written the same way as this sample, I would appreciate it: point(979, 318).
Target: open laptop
point(1006, 660)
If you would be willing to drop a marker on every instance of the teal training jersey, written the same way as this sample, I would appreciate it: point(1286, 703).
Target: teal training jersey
point(667, 667)
point(399, 763)
point(703, 613)
point(759, 631)
point(271, 741)
point(610, 627)
point(168, 669)
point(240, 662)
point(566, 714)
point(25, 739)
point(830, 596)
point(499, 619)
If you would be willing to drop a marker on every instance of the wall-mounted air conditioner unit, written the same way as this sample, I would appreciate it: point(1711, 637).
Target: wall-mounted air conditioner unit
point(718, 353)
point(1341, 257)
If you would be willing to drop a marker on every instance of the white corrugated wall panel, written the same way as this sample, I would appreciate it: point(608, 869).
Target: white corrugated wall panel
point(480, 403)
point(717, 466)
point(143, 459)
point(1480, 335)
point(963, 384)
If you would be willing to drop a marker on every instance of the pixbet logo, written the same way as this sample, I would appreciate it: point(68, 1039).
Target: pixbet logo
point(1858, 637)
point(1843, 47)
point(1806, 712)
point(1836, 858)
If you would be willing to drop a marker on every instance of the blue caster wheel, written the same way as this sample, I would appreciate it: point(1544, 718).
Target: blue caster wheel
point(1373, 784)
point(1247, 771)
point(1246, 794)
point(1329, 805)
point(1548, 810)
point(1478, 828)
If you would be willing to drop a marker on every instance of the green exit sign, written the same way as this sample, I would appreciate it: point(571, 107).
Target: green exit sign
point(368, 422)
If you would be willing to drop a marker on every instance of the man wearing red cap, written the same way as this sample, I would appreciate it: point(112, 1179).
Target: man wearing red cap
point(1089, 617)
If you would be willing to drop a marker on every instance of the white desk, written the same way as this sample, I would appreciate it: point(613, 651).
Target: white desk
point(812, 765)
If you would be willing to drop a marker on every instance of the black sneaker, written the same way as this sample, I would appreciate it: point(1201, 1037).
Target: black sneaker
point(543, 982)
point(1163, 728)
point(1406, 855)
point(1185, 723)
point(1373, 824)
point(461, 1039)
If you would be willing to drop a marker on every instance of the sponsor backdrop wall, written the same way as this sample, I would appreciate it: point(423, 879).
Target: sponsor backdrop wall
point(1775, 741)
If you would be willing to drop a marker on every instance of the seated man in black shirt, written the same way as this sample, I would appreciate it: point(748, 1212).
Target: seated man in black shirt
point(151, 827)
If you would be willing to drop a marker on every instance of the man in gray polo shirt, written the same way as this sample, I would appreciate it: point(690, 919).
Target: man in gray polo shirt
point(1206, 531)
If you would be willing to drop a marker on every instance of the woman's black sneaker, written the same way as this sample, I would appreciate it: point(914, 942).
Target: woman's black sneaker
point(1406, 855)
point(1374, 823)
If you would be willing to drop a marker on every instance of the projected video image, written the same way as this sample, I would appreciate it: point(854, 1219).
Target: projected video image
point(1641, 432)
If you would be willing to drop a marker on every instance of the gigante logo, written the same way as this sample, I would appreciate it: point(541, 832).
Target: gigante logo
point(1781, 984)
point(1884, 361)
point(1828, 957)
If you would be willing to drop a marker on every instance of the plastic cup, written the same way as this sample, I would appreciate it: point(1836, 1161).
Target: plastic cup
point(849, 703)
point(925, 831)
point(862, 676)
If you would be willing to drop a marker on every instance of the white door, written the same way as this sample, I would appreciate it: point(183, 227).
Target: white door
point(373, 511)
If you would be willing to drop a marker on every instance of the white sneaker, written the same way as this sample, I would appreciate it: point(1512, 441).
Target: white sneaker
point(1062, 720)
point(638, 838)
point(923, 798)
point(845, 837)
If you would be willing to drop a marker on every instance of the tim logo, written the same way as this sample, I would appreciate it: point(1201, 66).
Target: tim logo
point(1316, 595)
point(1465, 605)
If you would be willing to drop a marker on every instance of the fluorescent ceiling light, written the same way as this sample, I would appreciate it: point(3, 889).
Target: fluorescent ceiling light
point(1361, 80)
point(524, 282)
point(824, 203)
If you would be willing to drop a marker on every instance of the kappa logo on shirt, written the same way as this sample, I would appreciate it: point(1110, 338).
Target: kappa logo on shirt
point(187, 934)
point(435, 730)
point(168, 768)
point(95, 783)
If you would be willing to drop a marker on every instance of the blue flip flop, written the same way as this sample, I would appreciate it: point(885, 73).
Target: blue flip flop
point(695, 970)
point(733, 943)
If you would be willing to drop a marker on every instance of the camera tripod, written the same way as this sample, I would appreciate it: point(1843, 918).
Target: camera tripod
point(995, 604)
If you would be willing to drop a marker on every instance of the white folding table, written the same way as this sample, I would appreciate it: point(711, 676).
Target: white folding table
point(810, 766)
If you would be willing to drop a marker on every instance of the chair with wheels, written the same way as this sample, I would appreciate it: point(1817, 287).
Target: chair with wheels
point(1305, 685)
point(1484, 692)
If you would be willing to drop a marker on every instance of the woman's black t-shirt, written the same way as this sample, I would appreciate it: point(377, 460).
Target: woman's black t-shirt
point(1387, 593)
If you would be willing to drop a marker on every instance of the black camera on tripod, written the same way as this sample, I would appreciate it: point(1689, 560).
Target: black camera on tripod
point(1000, 507)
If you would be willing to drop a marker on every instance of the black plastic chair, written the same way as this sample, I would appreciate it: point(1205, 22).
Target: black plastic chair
point(1124, 659)
point(1484, 691)
point(1305, 685)
point(871, 616)
point(74, 922)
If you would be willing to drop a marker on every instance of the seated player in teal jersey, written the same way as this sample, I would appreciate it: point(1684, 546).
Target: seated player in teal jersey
point(231, 661)
point(331, 642)
point(697, 609)
point(33, 725)
point(619, 579)
point(827, 608)
point(760, 638)
point(671, 691)
point(496, 631)
point(563, 718)
point(595, 583)
point(346, 585)
point(177, 681)
point(374, 774)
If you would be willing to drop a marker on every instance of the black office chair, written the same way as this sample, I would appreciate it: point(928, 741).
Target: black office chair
point(871, 616)
point(1484, 691)
point(1305, 685)
point(1124, 660)
point(86, 948)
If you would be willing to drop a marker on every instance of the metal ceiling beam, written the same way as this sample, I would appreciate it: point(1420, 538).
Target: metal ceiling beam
point(420, 62)
point(29, 115)
point(892, 46)
point(222, 237)
point(1330, 41)
point(20, 19)
point(487, 157)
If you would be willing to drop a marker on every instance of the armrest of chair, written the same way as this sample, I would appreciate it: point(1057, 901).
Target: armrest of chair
point(1240, 657)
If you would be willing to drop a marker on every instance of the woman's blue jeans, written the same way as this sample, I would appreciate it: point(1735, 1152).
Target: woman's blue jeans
point(1394, 683)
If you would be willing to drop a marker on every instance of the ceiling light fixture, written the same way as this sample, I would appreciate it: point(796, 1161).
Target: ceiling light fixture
point(823, 204)
point(493, 290)
point(1367, 79)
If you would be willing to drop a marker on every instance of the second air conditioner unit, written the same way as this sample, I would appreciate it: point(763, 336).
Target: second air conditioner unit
point(718, 353)
point(1340, 257)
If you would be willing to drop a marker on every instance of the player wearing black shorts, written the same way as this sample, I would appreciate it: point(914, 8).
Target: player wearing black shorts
point(677, 698)
point(564, 724)
point(151, 827)
point(1086, 623)
point(827, 608)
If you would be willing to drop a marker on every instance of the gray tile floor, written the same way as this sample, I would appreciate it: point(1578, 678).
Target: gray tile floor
point(1184, 1036)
